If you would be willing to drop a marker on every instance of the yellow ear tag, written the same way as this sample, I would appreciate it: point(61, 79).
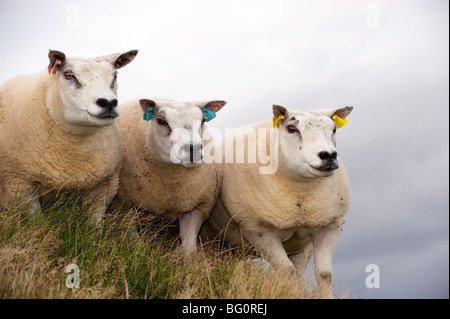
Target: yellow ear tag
point(277, 122)
point(339, 122)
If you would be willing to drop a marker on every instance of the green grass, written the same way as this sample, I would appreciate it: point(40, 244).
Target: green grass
point(34, 254)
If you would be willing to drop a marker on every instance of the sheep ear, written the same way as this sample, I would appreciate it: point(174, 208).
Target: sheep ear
point(119, 60)
point(149, 108)
point(145, 104)
point(56, 58)
point(279, 110)
point(124, 59)
point(342, 112)
point(339, 116)
point(215, 106)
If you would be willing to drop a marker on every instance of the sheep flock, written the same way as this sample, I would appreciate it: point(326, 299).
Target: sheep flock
point(279, 186)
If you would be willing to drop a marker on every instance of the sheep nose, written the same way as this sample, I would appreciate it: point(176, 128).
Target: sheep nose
point(326, 156)
point(329, 160)
point(194, 151)
point(107, 104)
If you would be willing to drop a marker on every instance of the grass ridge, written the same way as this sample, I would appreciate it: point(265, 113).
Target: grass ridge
point(35, 253)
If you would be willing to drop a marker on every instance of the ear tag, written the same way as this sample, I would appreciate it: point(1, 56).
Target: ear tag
point(277, 122)
point(52, 68)
point(208, 114)
point(339, 122)
point(149, 115)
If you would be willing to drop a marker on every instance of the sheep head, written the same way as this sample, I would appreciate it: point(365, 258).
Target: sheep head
point(87, 88)
point(307, 141)
point(178, 129)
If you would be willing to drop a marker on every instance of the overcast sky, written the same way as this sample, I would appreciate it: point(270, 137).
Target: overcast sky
point(389, 59)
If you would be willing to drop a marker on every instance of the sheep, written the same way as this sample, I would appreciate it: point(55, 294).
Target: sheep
point(299, 208)
point(162, 173)
point(58, 132)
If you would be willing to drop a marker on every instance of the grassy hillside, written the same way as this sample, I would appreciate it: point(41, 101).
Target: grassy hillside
point(34, 255)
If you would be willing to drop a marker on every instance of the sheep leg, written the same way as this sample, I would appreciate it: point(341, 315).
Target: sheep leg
point(35, 207)
point(324, 244)
point(96, 200)
point(133, 233)
point(99, 199)
point(190, 225)
point(300, 247)
point(301, 259)
point(27, 194)
point(270, 246)
point(32, 197)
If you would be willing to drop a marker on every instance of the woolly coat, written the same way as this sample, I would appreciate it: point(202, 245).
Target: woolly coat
point(256, 203)
point(35, 152)
point(160, 189)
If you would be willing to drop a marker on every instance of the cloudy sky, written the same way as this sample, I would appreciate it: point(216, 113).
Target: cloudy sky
point(389, 59)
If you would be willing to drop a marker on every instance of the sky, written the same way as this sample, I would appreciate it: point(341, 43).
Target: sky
point(388, 59)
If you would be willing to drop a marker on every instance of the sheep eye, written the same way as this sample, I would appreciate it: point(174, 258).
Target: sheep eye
point(69, 75)
point(114, 80)
point(292, 129)
point(161, 122)
point(334, 130)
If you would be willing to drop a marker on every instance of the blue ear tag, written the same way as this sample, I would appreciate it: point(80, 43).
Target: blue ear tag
point(149, 115)
point(208, 114)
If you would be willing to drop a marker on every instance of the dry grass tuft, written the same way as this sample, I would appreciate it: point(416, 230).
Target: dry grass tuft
point(34, 255)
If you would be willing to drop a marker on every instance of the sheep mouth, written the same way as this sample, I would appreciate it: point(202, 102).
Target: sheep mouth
point(105, 116)
point(328, 168)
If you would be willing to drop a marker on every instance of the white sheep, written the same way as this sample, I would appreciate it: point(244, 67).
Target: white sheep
point(297, 210)
point(58, 132)
point(162, 172)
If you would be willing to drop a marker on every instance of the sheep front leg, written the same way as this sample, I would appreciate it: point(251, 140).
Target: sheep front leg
point(131, 222)
point(96, 200)
point(270, 246)
point(27, 194)
point(190, 225)
point(32, 197)
point(99, 198)
point(301, 259)
point(324, 244)
point(35, 207)
point(300, 247)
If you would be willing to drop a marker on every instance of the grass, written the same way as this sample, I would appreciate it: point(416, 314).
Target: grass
point(35, 253)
